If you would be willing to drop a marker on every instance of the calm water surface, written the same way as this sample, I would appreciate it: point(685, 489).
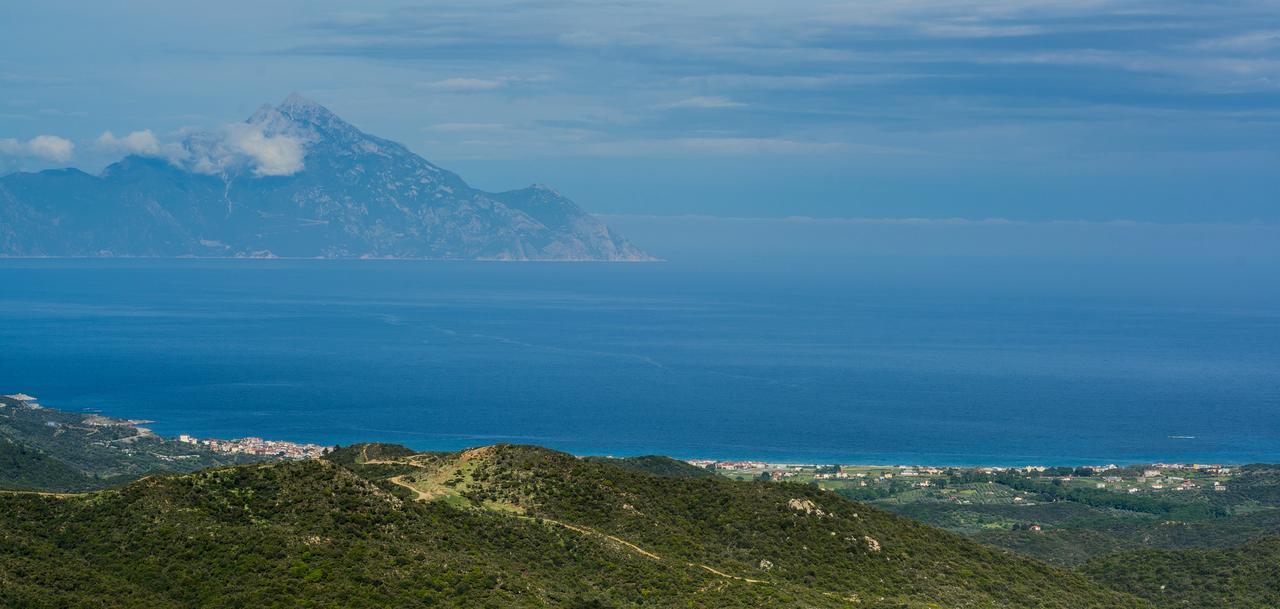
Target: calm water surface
point(716, 361)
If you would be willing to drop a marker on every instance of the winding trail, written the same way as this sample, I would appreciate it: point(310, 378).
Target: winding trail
point(577, 528)
point(41, 493)
point(421, 495)
point(590, 531)
point(726, 575)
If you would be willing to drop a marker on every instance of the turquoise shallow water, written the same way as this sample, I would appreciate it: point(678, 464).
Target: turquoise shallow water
point(773, 362)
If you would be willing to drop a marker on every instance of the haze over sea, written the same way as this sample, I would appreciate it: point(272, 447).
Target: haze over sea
point(944, 342)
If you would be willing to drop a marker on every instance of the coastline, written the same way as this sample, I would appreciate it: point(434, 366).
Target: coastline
point(769, 460)
point(773, 458)
point(44, 424)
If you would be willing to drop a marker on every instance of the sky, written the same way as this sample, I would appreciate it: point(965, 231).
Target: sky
point(1163, 112)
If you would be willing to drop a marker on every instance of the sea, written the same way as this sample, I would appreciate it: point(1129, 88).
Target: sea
point(948, 360)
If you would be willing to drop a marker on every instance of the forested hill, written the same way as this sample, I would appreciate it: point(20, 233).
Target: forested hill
point(503, 526)
point(1242, 577)
point(55, 450)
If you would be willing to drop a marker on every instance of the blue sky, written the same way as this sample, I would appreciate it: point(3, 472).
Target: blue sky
point(1165, 112)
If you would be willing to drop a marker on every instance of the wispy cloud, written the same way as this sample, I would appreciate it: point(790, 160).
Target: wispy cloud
point(466, 127)
point(465, 84)
point(15, 78)
point(470, 84)
point(704, 102)
point(979, 30)
point(756, 145)
point(704, 147)
point(1265, 40)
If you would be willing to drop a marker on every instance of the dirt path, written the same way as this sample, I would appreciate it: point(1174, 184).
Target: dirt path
point(727, 576)
point(422, 496)
point(639, 550)
point(589, 531)
point(42, 494)
point(426, 496)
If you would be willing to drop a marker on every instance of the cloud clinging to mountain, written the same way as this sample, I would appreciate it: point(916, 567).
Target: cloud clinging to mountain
point(45, 147)
point(239, 145)
point(138, 142)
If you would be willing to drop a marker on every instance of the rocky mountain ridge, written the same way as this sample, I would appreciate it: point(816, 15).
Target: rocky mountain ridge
point(294, 180)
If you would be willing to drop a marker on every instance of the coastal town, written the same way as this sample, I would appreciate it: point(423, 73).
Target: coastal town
point(1157, 478)
point(871, 482)
point(258, 447)
point(130, 431)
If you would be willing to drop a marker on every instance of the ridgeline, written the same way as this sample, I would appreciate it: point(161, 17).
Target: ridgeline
point(381, 525)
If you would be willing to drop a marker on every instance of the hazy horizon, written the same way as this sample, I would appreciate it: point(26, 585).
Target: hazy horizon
point(1110, 110)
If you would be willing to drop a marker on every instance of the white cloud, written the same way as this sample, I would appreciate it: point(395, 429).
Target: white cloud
point(52, 147)
point(226, 149)
point(138, 142)
point(47, 147)
point(275, 155)
point(706, 102)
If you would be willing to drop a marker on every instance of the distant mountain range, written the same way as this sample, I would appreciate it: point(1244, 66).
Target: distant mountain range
point(293, 181)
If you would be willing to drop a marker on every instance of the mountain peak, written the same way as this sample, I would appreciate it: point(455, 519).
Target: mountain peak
point(296, 102)
point(299, 108)
point(347, 194)
point(301, 118)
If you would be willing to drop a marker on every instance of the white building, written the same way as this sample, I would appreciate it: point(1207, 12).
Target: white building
point(19, 400)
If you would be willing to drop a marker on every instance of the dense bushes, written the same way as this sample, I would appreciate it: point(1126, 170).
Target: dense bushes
point(1245, 577)
point(316, 534)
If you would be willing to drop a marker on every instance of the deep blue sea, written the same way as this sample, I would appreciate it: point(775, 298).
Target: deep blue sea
point(779, 362)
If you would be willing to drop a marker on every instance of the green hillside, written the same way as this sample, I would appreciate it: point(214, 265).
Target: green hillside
point(1243, 577)
point(501, 526)
point(656, 465)
point(54, 450)
point(1078, 523)
point(25, 467)
point(778, 534)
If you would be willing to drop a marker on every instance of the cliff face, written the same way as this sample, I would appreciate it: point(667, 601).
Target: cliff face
point(320, 188)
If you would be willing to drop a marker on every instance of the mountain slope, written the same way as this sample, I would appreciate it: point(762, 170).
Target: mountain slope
point(656, 465)
point(1243, 577)
point(348, 531)
point(312, 534)
point(53, 450)
point(242, 193)
point(770, 534)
